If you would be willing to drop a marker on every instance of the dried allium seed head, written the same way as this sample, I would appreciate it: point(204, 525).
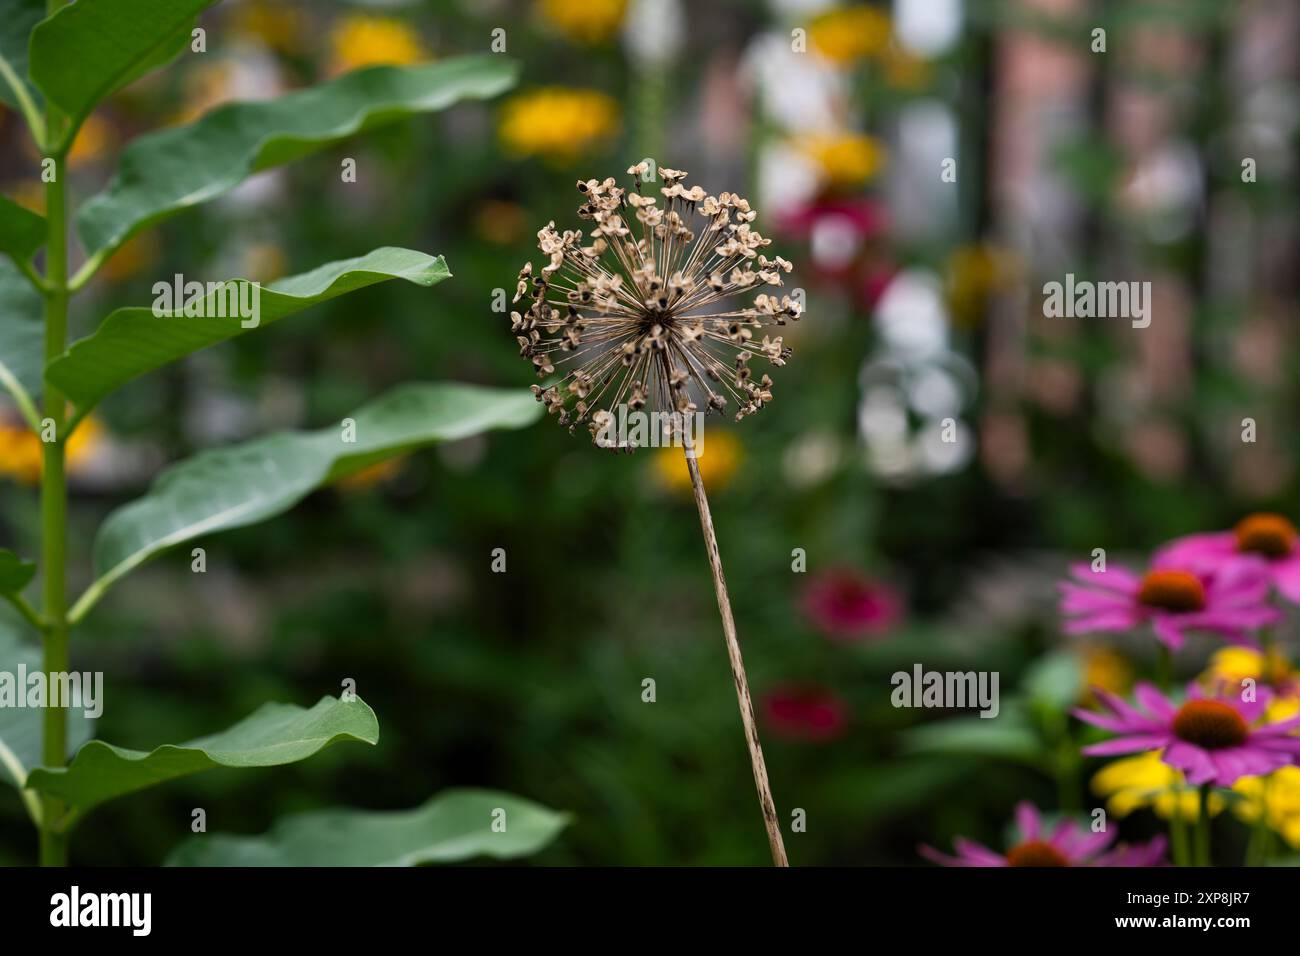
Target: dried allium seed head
point(653, 313)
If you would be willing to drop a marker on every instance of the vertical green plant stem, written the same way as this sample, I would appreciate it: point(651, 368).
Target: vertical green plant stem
point(1178, 831)
point(54, 489)
point(1203, 828)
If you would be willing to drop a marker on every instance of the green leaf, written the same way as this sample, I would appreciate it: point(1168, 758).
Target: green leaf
point(86, 51)
point(15, 573)
point(173, 169)
point(1009, 736)
point(22, 333)
point(274, 734)
point(240, 485)
point(20, 727)
point(1055, 681)
point(22, 231)
point(453, 826)
point(16, 23)
point(133, 341)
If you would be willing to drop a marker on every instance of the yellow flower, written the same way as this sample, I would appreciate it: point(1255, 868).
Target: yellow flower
point(849, 33)
point(21, 449)
point(586, 21)
point(846, 159)
point(499, 221)
point(1147, 781)
point(133, 257)
point(1229, 666)
point(559, 123)
point(974, 273)
point(30, 194)
point(94, 140)
point(1106, 668)
point(1278, 795)
point(718, 461)
point(279, 26)
point(361, 40)
point(903, 70)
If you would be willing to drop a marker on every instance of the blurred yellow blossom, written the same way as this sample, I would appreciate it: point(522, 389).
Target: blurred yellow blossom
point(556, 122)
point(499, 221)
point(1145, 780)
point(133, 257)
point(905, 71)
point(973, 274)
point(586, 21)
point(280, 26)
point(1229, 666)
point(718, 461)
point(361, 40)
point(94, 140)
point(1107, 669)
point(846, 34)
point(263, 262)
point(1279, 793)
point(21, 449)
point(845, 159)
point(30, 194)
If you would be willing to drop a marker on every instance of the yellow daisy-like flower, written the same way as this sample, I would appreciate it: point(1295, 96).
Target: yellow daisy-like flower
point(718, 461)
point(556, 122)
point(1145, 780)
point(21, 450)
point(847, 34)
point(1278, 795)
point(845, 160)
point(1229, 666)
point(1107, 669)
point(585, 21)
point(362, 40)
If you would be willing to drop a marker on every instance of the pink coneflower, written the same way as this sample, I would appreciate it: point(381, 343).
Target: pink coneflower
point(1269, 539)
point(1213, 740)
point(805, 712)
point(847, 606)
point(1068, 844)
point(1230, 601)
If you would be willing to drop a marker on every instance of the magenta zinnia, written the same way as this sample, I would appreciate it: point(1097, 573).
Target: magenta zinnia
point(1066, 844)
point(1231, 601)
point(1215, 740)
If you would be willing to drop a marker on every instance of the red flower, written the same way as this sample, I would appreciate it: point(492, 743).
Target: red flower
point(847, 606)
point(805, 712)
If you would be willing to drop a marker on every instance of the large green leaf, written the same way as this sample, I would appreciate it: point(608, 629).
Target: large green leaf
point(15, 573)
point(453, 826)
point(22, 334)
point(274, 734)
point(20, 727)
point(135, 340)
point(85, 51)
point(173, 169)
point(242, 484)
point(17, 18)
point(22, 231)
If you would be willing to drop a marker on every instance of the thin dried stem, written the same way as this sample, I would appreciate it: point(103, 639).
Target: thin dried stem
point(737, 668)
